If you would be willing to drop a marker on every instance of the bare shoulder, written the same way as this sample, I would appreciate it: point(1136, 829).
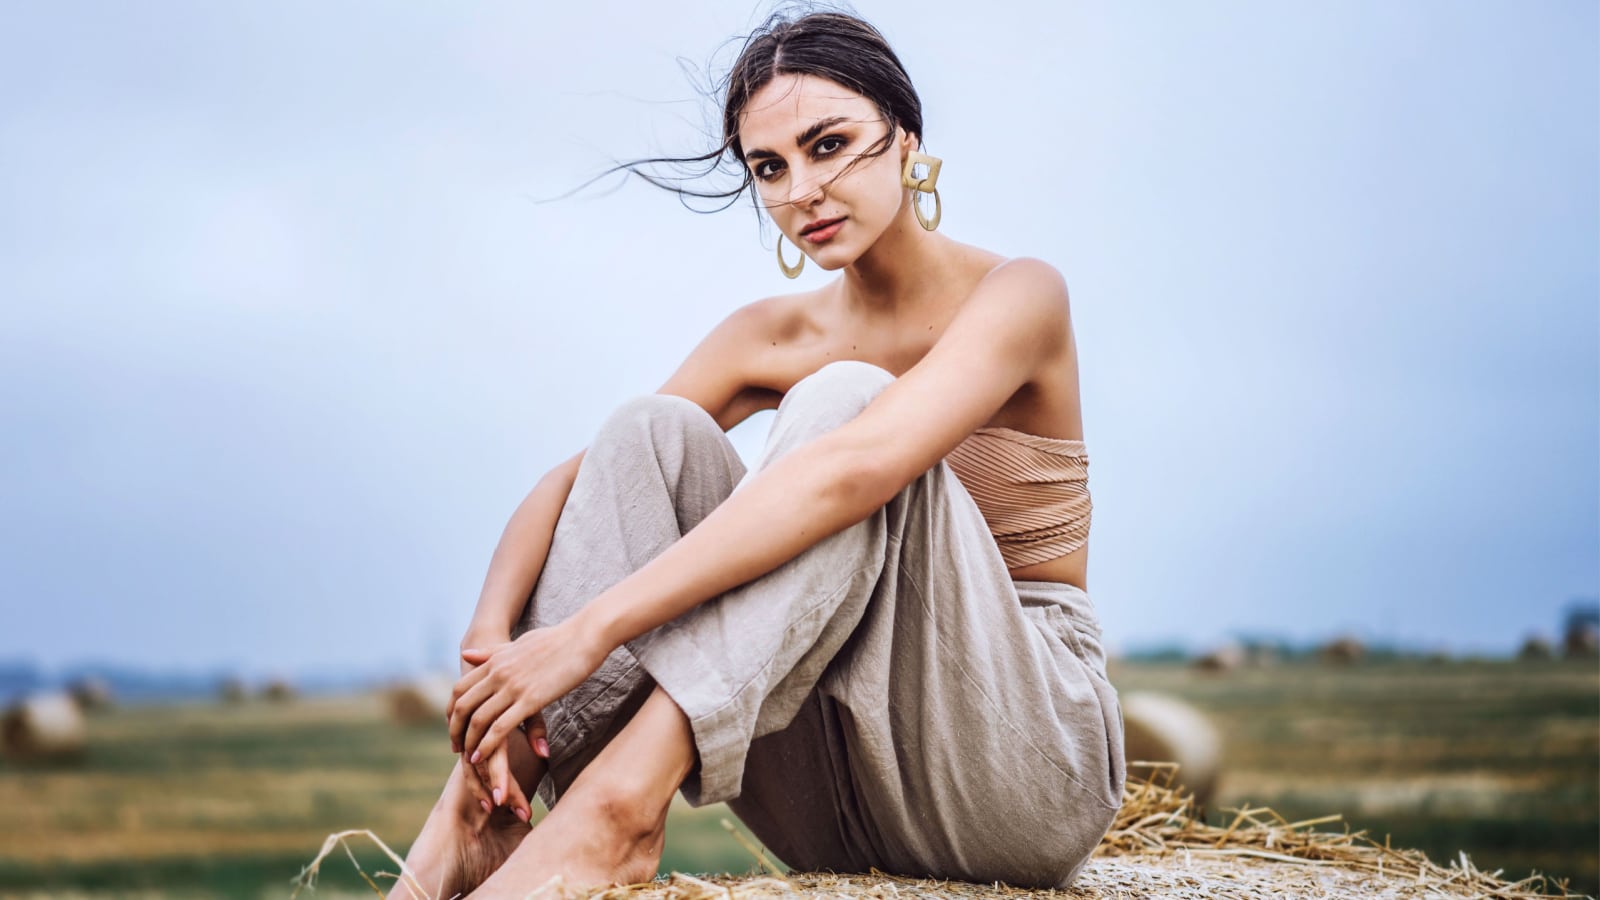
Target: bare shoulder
point(783, 317)
point(1032, 274)
point(729, 372)
point(758, 323)
point(997, 273)
point(1027, 288)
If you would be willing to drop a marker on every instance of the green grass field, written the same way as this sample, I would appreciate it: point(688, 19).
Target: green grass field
point(1499, 759)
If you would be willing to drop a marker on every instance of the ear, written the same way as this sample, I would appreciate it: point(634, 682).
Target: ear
point(908, 141)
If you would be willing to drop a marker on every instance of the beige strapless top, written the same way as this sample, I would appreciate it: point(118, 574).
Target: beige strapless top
point(1032, 490)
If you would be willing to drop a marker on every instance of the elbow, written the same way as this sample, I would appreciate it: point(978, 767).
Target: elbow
point(851, 476)
point(862, 485)
point(562, 476)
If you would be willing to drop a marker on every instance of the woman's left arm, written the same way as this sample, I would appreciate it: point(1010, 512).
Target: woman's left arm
point(1013, 324)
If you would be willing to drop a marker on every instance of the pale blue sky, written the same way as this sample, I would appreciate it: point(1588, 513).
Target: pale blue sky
point(283, 339)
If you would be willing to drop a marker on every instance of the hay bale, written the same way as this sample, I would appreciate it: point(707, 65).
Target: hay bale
point(279, 690)
point(92, 693)
point(1161, 728)
point(44, 726)
point(422, 700)
point(1156, 847)
point(1536, 647)
point(1582, 640)
point(1159, 847)
point(1223, 659)
point(1343, 651)
point(232, 690)
point(1262, 656)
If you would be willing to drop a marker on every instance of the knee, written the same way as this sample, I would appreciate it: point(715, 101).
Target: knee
point(645, 413)
point(839, 390)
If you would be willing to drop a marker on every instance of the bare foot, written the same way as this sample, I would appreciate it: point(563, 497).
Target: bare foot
point(609, 827)
point(460, 845)
point(479, 852)
point(588, 842)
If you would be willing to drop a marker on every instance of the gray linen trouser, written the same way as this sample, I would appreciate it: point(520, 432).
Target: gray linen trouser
point(890, 697)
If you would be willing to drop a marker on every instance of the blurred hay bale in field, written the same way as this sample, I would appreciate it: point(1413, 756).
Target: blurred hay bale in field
point(1343, 651)
point(44, 726)
point(1582, 640)
point(421, 700)
point(1225, 658)
point(1536, 647)
point(1161, 728)
point(232, 690)
point(279, 690)
point(92, 693)
point(1261, 656)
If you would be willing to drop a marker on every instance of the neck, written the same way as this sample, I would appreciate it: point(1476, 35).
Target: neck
point(903, 267)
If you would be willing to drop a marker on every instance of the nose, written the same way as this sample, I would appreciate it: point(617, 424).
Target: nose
point(805, 188)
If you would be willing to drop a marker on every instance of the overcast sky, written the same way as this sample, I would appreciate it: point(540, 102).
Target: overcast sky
point(284, 337)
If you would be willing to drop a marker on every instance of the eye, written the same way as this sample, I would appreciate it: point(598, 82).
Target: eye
point(761, 171)
point(832, 137)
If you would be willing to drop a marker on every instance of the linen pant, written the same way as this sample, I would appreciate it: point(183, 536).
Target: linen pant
point(890, 697)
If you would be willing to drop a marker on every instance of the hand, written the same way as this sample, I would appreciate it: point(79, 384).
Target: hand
point(482, 636)
point(512, 681)
point(491, 783)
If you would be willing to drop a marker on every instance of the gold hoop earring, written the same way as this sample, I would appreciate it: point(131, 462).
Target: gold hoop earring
point(937, 211)
point(794, 272)
point(926, 184)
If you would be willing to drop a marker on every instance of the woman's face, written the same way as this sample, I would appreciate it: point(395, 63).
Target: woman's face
point(799, 132)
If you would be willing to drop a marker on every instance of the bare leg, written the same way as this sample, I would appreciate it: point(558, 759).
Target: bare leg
point(461, 845)
point(610, 825)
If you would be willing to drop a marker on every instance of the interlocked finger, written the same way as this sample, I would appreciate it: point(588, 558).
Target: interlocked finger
point(506, 791)
point(491, 711)
point(538, 739)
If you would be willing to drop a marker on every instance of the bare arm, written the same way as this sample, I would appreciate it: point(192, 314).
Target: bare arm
point(714, 375)
point(519, 557)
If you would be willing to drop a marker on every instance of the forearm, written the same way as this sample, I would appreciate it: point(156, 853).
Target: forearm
point(814, 491)
point(519, 557)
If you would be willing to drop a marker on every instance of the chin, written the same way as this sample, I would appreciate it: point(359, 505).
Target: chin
point(831, 259)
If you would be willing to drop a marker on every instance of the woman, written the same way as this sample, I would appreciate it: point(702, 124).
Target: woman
point(876, 645)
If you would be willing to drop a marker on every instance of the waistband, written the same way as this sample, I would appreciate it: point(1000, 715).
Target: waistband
point(1072, 600)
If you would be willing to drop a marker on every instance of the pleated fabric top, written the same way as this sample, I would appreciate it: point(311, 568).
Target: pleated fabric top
point(1032, 490)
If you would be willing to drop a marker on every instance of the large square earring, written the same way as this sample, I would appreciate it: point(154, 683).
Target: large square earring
point(928, 181)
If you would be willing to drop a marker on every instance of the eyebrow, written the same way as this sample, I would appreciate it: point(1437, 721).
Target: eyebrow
point(801, 139)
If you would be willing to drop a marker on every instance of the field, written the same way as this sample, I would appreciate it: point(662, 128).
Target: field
point(1499, 759)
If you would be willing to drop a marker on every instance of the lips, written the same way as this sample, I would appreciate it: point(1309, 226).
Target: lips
point(821, 231)
point(823, 223)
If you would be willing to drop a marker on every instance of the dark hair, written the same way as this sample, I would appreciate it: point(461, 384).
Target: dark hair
point(828, 43)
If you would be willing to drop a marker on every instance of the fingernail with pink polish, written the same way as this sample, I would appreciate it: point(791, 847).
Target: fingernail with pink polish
point(523, 814)
point(484, 804)
point(474, 756)
point(497, 793)
point(541, 747)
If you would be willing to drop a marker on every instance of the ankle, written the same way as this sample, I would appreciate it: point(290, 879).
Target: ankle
point(629, 812)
